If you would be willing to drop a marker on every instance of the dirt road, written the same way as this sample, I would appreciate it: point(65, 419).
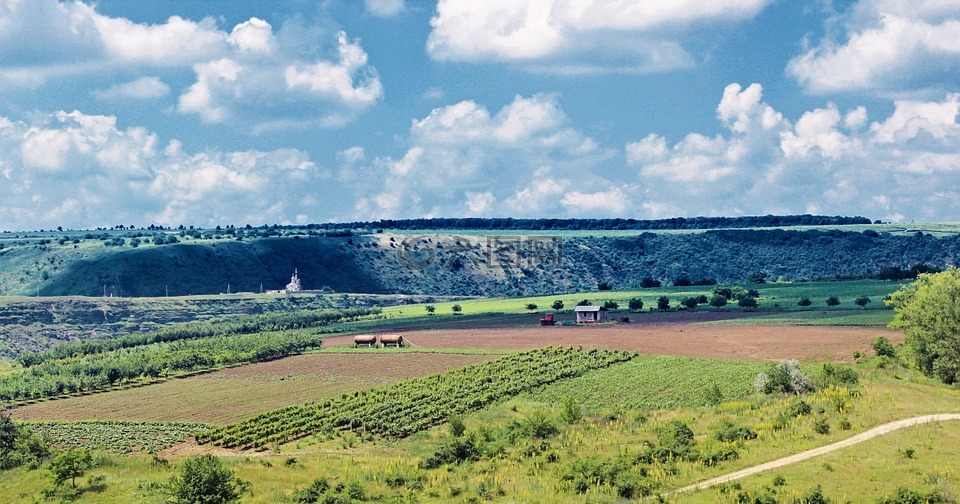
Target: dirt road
point(859, 438)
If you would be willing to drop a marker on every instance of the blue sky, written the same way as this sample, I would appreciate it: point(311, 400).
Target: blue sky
point(205, 112)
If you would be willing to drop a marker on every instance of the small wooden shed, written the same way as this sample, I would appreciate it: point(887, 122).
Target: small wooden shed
point(591, 314)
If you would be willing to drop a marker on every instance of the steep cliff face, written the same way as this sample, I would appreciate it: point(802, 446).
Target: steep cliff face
point(481, 265)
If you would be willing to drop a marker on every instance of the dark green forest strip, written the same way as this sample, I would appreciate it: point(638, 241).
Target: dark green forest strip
point(468, 223)
point(410, 406)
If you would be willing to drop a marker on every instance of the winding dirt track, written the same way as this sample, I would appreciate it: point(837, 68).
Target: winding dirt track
point(859, 438)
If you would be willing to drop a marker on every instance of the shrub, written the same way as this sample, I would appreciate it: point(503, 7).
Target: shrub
point(713, 395)
point(821, 426)
point(531, 306)
point(635, 304)
point(718, 301)
point(611, 305)
point(747, 302)
point(784, 377)
point(585, 302)
point(833, 301)
point(883, 347)
point(462, 449)
point(907, 496)
point(721, 454)
point(804, 301)
point(839, 376)
point(557, 305)
point(723, 290)
point(205, 479)
point(663, 303)
point(682, 281)
point(730, 432)
point(690, 302)
point(862, 301)
point(457, 427)
point(649, 283)
point(313, 492)
point(604, 286)
point(676, 437)
point(538, 425)
point(571, 411)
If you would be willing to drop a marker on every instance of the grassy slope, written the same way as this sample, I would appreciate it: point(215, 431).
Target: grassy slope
point(865, 472)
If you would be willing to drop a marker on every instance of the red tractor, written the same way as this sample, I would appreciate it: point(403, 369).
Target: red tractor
point(547, 320)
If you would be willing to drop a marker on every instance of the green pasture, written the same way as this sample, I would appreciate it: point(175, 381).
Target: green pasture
point(773, 297)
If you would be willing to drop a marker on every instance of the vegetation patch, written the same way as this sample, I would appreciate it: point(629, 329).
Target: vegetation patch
point(414, 405)
point(115, 436)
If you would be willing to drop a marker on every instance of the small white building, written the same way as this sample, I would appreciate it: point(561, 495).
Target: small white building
point(592, 314)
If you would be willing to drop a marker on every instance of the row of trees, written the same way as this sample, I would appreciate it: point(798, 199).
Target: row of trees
point(590, 224)
point(269, 322)
point(102, 371)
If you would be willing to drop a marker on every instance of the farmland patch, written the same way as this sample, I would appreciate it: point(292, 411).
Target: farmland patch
point(740, 342)
point(237, 393)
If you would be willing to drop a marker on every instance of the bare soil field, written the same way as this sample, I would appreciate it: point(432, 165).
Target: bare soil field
point(241, 392)
point(671, 336)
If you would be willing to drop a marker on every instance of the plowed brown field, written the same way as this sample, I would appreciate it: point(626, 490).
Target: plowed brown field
point(747, 342)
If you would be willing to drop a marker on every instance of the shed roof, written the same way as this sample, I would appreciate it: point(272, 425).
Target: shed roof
point(591, 308)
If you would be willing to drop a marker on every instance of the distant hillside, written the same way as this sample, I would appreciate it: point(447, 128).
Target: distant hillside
point(475, 223)
point(458, 265)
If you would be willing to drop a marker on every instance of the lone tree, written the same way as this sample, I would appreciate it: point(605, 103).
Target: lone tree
point(928, 311)
point(862, 301)
point(531, 306)
point(557, 305)
point(430, 309)
point(456, 309)
point(70, 465)
point(204, 479)
point(635, 304)
point(663, 303)
point(833, 301)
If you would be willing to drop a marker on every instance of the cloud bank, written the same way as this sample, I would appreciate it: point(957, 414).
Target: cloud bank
point(576, 36)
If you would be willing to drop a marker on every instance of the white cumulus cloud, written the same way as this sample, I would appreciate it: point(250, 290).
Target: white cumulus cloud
point(576, 36)
point(825, 162)
point(464, 160)
point(885, 46)
point(253, 75)
point(79, 170)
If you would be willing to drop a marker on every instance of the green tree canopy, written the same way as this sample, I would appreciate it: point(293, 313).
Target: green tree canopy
point(205, 480)
point(928, 311)
point(70, 465)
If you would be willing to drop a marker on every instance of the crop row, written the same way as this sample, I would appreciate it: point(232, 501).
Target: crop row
point(117, 436)
point(407, 407)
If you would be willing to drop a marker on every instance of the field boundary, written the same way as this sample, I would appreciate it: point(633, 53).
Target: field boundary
point(816, 452)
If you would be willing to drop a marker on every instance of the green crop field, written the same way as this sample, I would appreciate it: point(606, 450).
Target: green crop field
point(654, 383)
point(773, 296)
